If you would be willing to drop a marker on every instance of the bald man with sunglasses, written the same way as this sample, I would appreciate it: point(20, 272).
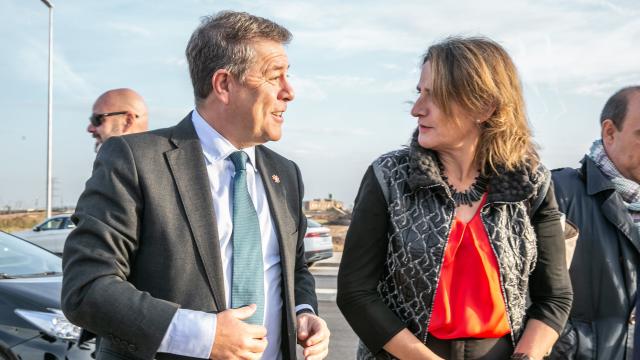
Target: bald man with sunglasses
point(117, 112)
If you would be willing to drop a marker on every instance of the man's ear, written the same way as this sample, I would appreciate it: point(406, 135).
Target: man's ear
point(221, 84)
point(129, 120)
point(608, 132)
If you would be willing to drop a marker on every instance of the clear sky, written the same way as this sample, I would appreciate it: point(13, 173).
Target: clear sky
point(354, 66)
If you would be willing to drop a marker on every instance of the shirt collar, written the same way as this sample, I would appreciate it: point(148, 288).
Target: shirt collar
point(214, 146)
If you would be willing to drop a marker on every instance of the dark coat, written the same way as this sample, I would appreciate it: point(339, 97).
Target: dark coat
point(146, 241)
point(604, 267)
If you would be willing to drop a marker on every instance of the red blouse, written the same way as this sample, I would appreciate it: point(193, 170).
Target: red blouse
point(468, 301)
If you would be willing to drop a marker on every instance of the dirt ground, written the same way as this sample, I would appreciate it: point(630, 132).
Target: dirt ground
point(338, 233)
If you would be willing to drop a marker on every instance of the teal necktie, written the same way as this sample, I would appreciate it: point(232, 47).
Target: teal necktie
point(247, 283)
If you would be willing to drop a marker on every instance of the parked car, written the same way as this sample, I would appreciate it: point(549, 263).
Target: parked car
point(51, 233)
point(32, 325)
point(318, 244)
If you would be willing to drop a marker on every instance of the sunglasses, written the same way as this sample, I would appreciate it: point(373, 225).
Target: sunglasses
point(97, 119)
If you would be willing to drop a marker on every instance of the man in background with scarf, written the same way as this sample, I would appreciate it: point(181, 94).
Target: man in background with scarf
point(603, 199)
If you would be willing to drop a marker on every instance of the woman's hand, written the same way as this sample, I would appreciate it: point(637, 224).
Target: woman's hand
point(537, 339)
point(405, 346)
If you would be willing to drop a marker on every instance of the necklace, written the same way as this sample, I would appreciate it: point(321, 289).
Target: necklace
point(469, 196)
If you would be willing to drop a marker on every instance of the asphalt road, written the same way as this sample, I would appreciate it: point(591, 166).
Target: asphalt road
point(326, 281)
point(342, 345)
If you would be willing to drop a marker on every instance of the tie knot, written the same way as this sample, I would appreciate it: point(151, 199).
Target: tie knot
point(239, 159)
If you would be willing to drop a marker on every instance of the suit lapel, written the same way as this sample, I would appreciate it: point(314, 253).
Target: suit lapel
point(277, 197)
point(275, 177)
point(274, 180)
point(187, 166)
point(612, 207)
point(615, 212)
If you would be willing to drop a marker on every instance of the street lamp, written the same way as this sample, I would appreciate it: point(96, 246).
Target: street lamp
point(50, 105)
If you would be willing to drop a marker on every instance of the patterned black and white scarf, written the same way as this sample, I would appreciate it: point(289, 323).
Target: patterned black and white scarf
point(629, 190)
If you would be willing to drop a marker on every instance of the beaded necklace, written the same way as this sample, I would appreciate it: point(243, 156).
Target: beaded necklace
point(469, 196)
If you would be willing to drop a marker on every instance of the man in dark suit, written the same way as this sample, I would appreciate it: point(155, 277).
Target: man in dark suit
point(189, 240)
point(602, 198)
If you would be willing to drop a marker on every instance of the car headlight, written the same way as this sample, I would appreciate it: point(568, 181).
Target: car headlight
point(52, 323)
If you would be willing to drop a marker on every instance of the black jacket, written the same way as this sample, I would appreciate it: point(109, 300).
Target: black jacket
point(604, 267)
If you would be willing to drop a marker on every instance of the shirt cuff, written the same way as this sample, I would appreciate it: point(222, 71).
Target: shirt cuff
point(191, 333)
point(304, 307)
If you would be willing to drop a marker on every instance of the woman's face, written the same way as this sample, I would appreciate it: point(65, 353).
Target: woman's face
point(436, 130)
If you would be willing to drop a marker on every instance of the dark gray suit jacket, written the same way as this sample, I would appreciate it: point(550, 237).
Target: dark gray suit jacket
point(146, 241)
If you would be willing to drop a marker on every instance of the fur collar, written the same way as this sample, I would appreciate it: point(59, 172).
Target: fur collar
point(505, 186)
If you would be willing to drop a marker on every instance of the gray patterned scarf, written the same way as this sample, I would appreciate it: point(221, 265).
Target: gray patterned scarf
point(628, 189)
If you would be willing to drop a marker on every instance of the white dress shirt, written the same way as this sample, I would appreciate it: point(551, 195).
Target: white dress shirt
point(192, 333)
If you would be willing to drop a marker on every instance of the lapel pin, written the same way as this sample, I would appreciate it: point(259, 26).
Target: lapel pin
point(275, 178)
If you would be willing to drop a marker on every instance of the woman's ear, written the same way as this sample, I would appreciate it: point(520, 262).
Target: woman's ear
point(486, 115)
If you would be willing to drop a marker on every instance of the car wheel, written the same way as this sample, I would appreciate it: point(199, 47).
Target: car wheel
point(5, 355)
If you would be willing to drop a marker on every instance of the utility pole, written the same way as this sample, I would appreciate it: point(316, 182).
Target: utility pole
point(50, 108)
point(54, 189)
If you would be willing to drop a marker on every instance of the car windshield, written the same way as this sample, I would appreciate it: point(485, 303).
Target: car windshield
point(312, 223)
point(52, 224)
point(19, 258)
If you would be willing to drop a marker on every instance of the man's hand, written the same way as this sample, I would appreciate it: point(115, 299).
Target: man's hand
point(236, 339)
point(313, 335)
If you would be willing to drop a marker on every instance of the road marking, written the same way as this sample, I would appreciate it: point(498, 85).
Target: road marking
point(324, 270)
point(326, 294)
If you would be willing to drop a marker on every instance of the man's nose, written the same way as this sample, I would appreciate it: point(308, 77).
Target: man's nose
point(91, 128)
point(287, 93)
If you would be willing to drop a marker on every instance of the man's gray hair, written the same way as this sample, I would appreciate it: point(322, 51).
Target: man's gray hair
point(223, 41)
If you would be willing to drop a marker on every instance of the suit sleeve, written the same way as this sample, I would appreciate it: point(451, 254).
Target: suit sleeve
point(550, 285)
point(563, 199)
point(98, 257)
point(362, 267)
point(305, 287)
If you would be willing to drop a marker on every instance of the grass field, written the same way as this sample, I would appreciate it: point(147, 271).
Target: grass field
point(20, 221)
